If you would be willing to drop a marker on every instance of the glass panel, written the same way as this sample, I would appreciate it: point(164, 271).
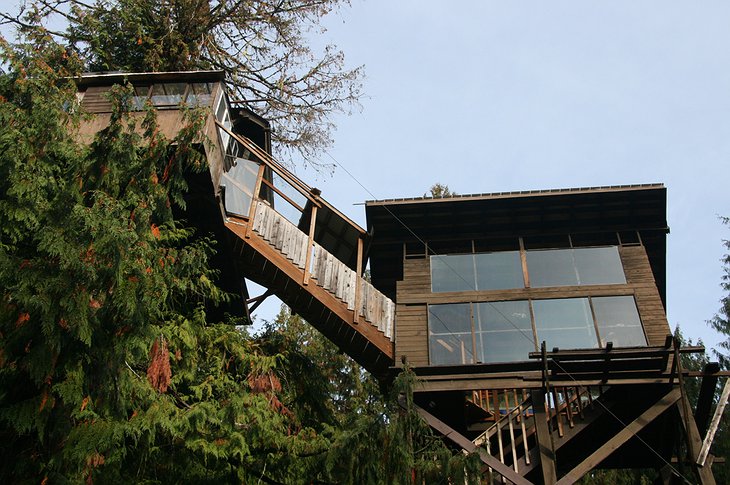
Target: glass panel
point(499, 271)
point(618, 321)
point(224, 117)
point(552, 267)
point(503, 331)
point(140, 97)
point(200, 94)
point(449, 334)
point(290, 211)
point(169, 94)
point(452, 273)
point(239, 183)
point(599, 266)
point(565, 323)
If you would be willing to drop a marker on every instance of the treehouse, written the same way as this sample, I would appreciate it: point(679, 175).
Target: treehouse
point(535, 321)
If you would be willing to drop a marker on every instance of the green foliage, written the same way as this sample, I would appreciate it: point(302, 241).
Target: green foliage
point(95, 271)
point(439, 191)
point(375, 438)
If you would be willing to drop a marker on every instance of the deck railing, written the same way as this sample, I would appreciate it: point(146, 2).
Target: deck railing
point(326, 270)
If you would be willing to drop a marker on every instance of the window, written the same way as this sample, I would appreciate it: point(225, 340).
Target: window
point(450, 334)
point(577, 266)
point(618, 321)
point(200, 94)
point(545, 267)
point(240, 183)
point(453, 273)
point(506, 331)
point(565, 323)
point(503, 331)
point(482, 271)
point(168, 94)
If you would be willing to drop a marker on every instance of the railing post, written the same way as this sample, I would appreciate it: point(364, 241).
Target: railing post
point(356, 311)
point(310, 244)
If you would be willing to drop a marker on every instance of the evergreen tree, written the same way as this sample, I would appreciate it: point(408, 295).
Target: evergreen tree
point(109, 367)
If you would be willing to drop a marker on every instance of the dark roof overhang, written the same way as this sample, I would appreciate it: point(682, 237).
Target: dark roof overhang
point(109, 78)
point(394, 222)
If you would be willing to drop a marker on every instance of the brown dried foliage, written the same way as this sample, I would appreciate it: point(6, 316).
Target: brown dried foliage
point(159, 373)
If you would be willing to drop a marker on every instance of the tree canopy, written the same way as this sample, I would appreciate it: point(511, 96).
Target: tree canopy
point(265, 47)
point(111, 367)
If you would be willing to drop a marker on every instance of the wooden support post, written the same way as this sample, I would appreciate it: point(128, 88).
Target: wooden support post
point(544, 438)
point(621, 437)
point(714, 424)
point(356, 311)
point(706, 397)
point(310, 244)
point(694, 442)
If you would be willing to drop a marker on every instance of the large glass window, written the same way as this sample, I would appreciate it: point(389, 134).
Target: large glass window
point(545, 267)
point(506, 331)
point(599, 266)
point(482, 271)
point(618, 321)
point(450, 334)
point(551, 267)
point(577, 266)
point(565, 323)
point(453, 273)
point(503, 331)
point(499, 271)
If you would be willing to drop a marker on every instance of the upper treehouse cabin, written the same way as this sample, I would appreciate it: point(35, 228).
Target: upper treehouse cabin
point(270, 227)
point(481, 281)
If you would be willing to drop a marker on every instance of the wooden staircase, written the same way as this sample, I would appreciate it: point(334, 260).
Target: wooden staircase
point(273, 252)
point(512, 438)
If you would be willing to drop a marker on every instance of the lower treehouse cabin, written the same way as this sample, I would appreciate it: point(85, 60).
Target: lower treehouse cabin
point(535, 321)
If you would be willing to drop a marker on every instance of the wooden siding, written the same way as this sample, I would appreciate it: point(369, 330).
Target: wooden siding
point(641, 280)
point(414, 294)
point(326, 270)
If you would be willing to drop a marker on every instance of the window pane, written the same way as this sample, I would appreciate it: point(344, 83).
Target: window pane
point(452, 273)
point(140, 97)
point(503, 331)
point(240, 182)
point(167, 94)
point(618, 321)
point(553, 267)
point(200, 94)
point(565, 323)
point(450, 335)
point(599, 266)
point(499, 271)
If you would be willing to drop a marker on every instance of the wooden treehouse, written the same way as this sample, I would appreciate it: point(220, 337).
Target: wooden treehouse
point(535, 320)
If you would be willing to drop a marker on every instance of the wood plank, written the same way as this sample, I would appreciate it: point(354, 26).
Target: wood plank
point(621, 437)
point(466, 444)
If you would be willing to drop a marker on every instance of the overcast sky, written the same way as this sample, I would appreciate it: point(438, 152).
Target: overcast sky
point(490, 96)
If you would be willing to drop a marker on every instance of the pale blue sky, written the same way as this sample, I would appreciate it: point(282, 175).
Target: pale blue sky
point(495, 96)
